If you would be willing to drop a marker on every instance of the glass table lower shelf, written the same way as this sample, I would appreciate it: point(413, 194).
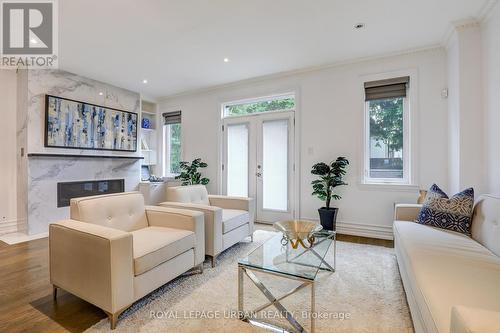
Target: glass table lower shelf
point(277, 257)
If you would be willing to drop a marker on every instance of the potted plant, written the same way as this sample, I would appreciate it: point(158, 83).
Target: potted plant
point(330, 177)
point(189, 173)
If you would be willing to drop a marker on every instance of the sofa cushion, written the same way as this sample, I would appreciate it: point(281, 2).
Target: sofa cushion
point(447, 269)
point(448, 213)
point(122, 211)
point(233, 218)
point(155, 245)
point(486, 222)
point(196, 194)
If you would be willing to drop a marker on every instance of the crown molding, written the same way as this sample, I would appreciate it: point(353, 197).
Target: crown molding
point(458, 25)
point(485, 12)
point(148, 98)
point(305, 70)
point(482, 16)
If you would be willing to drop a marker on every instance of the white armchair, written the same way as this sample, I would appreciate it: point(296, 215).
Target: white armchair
point(114, 250)
point(467, 320)
point(228, 220)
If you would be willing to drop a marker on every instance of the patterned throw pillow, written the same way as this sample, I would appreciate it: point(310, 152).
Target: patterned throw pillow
point(447, 213)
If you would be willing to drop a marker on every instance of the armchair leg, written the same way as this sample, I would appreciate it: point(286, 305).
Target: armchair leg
point(113, 318)
point(213, 259)
point(251, 238)
point(195, 270)
point(54, 292)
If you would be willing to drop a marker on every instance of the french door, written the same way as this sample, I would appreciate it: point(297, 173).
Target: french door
point(258, 162)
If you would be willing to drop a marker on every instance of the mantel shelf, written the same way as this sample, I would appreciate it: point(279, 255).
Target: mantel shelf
point(84, 156)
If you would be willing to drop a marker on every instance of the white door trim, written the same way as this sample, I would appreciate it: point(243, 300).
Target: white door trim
point(297, 137)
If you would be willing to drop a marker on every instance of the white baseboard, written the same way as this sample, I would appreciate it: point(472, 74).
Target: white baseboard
point(18, 237)
point(362, 230)
point(11, 226)
point(365, 230)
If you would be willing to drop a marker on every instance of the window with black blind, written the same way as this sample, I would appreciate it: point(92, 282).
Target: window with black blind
point(172, 143)
point(386, 146)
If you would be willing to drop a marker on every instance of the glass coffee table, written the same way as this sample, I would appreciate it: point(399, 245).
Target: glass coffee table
point(277, 257)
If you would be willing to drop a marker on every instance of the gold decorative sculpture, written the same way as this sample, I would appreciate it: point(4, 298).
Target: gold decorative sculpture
point(297, 231)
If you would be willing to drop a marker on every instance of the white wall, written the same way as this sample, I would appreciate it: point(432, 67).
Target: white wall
point(453, 62)
point(331, 104)
point(466, 119)
point(8, 150)
point(491, 84)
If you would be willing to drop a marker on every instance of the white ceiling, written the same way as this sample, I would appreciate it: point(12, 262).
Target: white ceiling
point(179, 45)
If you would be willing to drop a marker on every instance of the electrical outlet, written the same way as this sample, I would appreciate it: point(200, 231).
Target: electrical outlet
point(444, 93)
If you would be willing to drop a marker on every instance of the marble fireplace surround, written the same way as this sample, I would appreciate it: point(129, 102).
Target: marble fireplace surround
point(39, 175)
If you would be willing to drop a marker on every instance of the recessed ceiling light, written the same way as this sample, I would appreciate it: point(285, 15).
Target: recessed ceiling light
point(359, 26)
point(101, 93)
point(144, 81)
point(226, 59)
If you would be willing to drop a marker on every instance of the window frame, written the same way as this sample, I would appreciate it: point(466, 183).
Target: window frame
point(167, 150)
point(256, 100)
point(410, 140)
point(406, 153)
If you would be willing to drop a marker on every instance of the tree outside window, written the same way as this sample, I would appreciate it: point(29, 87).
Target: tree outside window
point(261, 106)
point(174, 148)
point(386, 137)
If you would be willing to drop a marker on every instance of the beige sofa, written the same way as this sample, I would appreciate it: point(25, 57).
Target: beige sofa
point(452, 281)
point(114, 250)
point(228, 220)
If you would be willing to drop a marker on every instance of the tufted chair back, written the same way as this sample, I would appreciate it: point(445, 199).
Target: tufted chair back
point(123, 211)
point(196, 194)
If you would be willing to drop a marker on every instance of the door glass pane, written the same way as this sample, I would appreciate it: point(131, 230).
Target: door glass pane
point(275, 165)
point(237, 160)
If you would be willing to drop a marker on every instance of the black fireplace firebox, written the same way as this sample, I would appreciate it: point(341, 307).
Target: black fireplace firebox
point(68, 190)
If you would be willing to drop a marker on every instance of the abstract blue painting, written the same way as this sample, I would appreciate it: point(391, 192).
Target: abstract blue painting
point(74, 124)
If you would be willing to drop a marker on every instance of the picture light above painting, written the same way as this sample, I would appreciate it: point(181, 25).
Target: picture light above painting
point(80, 125)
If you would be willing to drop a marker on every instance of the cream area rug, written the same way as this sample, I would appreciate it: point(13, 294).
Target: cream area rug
point(365, 294)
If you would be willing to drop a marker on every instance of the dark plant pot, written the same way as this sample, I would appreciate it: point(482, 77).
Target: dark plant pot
point(328, 218)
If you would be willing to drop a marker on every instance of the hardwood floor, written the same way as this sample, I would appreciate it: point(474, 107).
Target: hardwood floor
point(26, 303)
point(365, 240)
